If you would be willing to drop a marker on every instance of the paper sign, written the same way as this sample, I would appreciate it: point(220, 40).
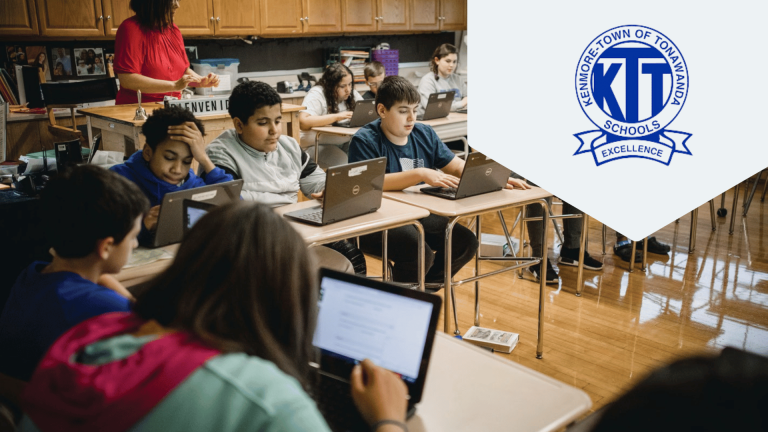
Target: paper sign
point(357, 170)
point(204, 196)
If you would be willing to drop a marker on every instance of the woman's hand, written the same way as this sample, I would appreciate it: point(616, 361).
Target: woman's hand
point(210, 80)
point(343, 116)
point(378, 393)
point(150, 220)
point(184, 81)
point(191, 135)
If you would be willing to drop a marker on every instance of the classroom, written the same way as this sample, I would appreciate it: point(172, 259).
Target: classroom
point(269, 215)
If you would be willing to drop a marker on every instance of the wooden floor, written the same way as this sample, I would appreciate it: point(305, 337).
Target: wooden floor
point(626, 325)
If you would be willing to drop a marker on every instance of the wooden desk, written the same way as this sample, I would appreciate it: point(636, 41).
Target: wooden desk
point(135, 275)
point(117, 123)
point(391, 215)
point(474, 207)
point(468, 389)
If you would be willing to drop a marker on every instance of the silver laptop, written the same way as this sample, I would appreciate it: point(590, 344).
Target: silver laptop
point(360, 318)
point(481, 175)
point(438, 106)
point(365, 112)
point(170, 223)
point(350, 190)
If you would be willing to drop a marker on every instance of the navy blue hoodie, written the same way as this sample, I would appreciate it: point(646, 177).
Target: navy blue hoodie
point(136, 169)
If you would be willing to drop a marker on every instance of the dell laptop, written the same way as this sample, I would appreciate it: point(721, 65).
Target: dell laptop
point(481, 175)
point(359, 318)
point(350, 190)
point(438, 106)
point(365, 112)
point(170, 222)
point(193, 211)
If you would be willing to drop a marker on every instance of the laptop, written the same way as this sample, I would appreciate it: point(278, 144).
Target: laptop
point(481, 175)
point(462, 111)
point(360, 318)
point(170, 222)
point(350, 190)
point(193, 211)
point(365, 112)
point(438, 106)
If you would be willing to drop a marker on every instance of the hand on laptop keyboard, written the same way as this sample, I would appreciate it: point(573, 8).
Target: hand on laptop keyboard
point(444, 190)
point(439, 179)
point(378, 393)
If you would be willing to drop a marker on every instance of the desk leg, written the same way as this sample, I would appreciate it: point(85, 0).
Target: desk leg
point(523, 225)
point(317, 147)
point(90, 134)
point(384, 258)
point(477, 273)
point(295, 132)
point(543, 278)
point(420, 251)
point(582, 251)
point(450, 296)
point(733, 209)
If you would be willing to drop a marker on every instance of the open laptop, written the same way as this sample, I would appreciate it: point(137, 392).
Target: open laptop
point(481, 175)
point(350, 190)
point(360, 318)
point(438, 106)
point(365, 112)
point(170, 222)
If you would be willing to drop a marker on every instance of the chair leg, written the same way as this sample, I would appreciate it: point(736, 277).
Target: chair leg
point(712, 214)
point(722, 211)
point(645, 254)
point(604, 229)
point(694, 223)
point(733, 208)
point(632, 257)
point(752, 193)
point(765, 188)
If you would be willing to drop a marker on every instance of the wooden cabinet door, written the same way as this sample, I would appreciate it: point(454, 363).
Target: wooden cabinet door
point(322, 16)
point(115, 12)
point(454, 15)
point(281, 17)
point(237, 17)
point(425, 14)
point(195, 17)
point(73, 18)
point(358, 15)
point(18, 17)
point(394, 14)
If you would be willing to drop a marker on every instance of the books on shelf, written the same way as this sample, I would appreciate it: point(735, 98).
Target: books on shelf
point(489, 338)
point(355, 60)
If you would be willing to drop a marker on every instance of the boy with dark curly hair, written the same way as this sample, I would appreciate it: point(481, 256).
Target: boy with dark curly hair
point(174, 138)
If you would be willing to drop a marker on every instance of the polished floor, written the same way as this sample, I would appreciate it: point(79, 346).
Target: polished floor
point(627, 324)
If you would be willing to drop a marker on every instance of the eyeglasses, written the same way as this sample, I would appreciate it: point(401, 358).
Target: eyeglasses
point(374, 84)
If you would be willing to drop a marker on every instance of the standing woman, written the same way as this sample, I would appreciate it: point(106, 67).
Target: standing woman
point(331, 100)
point(150, 55)
point(442, 78)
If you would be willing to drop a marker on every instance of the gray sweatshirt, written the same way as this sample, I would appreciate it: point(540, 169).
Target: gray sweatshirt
point(272, 178)
point(430, 84)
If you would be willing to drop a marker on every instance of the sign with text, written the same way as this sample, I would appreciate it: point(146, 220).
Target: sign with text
point(203, 106)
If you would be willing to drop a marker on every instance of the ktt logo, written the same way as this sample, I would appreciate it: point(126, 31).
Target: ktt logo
point(632, 82)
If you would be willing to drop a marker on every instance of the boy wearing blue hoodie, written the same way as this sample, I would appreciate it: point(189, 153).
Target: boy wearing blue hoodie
point(174, 138)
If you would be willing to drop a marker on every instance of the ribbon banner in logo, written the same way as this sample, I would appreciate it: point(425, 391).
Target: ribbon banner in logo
point(596, 142)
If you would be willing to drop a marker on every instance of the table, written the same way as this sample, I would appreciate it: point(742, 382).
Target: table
point(453, 127)
point(474, 207)
point(468, 389)
point(391, 215)
point(117, 123)
point(133, 276)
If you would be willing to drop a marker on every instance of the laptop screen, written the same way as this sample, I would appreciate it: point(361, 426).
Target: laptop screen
point(357, 322)
point(193, 215)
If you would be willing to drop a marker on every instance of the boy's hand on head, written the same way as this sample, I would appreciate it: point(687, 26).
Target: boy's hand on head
point(513, 183)
point(150, 220)
point(378, 393)
point(439, 179)
point(188, 133)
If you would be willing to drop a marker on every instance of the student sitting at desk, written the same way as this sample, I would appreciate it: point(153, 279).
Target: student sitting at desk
point(272, 165)
point(221, 341)
point(442, 78)
point(91, 217)
point(414, 153)
point(174, 137)
point(374, 74)
point(331, 100)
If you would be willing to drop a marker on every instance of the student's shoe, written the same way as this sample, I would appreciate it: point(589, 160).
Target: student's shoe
point(570, 257)
point(534, 271)
point(655, 246)
point(624, 250)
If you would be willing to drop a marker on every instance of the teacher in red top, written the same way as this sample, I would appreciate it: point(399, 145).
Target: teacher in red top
point(150, 55)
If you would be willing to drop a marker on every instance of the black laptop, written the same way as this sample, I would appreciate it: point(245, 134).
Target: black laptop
point(365, 112)
point(481, 175)
point(350, 190)
point(360, 318)
point(170, 222)
point(438, 106)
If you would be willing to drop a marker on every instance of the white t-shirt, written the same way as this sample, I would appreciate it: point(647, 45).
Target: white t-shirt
point(316, 105)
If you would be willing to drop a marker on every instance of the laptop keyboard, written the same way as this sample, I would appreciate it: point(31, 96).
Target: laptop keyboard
point(315, 216)
point(337, 406)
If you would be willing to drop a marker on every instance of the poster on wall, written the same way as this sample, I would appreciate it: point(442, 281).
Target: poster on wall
point(37, 56)
point(61, 62)
point(89, 61)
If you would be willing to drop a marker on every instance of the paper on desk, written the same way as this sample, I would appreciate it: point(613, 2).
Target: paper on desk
point(37, 165)
point(107, 158)
point(142, 256)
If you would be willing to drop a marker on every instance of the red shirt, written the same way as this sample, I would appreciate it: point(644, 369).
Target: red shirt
point(157, 54)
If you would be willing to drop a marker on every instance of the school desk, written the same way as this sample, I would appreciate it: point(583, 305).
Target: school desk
point(468, 389)
point(116, 123)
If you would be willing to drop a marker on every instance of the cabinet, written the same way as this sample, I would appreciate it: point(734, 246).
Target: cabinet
point(73, 18)
point(18, 17)
point(283, 17)
point(115, 12)
point(375, 15)
point(195, 18)
point(438, 15)
point(236, 17)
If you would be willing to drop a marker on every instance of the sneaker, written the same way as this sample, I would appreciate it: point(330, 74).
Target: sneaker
point(655, 246)
point(624, 252)
point(570, 257)
point(534, 271)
